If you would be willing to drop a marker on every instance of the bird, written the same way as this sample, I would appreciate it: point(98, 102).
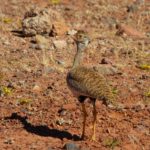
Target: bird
point(85, 82)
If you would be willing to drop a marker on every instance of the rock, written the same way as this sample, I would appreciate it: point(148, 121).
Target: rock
point(36, 88)
point(39, 39)
point(61, 62)
point(135, 6)
point(132, 8)
point(138, 106)
point(6, 43)
point(60, 121)
point(130, 31)
point(59, 28)
point(43, 22)
point(105, 61)
point(60, 44)
point(40, 24)
point(106, 70)
point(71, 146)
point(62, 112)
point(71, 32)
point(9, 141)
point(42, 42)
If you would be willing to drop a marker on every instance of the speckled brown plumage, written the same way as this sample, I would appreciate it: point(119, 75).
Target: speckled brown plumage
point(85, 82)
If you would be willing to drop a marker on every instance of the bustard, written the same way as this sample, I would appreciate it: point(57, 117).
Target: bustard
point(86, 83)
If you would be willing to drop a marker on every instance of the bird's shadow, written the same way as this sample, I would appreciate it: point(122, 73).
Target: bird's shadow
point(43, 130)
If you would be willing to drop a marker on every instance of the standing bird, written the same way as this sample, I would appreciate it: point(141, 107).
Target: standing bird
point(86, 83)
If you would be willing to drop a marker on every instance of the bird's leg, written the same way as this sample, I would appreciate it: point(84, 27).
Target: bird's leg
point(81, 99)
point(84, 120)
point(94, 119)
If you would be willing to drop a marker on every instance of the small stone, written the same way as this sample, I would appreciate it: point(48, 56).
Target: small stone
point(9, 141)
point(132, 8)
point(105, 61)
point(60, 44)
point(60, 121)
point(39, 39)
point(36, 88)
point(62, 112)
point(33, 46)
point(59, 28)
point(72, 32)
point(60, 62)
point(71, 146)
point(129, 31)
point(42, 42)
point(139, 106)
point(40, 47)
point(6, 43)
point(106, 70)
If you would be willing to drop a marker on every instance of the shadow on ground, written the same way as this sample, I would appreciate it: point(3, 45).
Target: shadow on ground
point(43, 130)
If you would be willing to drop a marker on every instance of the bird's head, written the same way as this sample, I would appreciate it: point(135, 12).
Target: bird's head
point(82, 40)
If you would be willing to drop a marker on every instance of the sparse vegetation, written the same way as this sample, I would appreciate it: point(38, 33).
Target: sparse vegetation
point(6, 90)
point(111, 143)
point(115, 91)
point(37, 47)
point(55, 1)
point(24, 101)
point(144, 66)
point(147, 94)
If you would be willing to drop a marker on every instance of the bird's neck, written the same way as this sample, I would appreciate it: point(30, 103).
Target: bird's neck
point(79, 55)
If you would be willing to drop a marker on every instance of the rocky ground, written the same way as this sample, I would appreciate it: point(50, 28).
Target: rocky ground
point(37, 110)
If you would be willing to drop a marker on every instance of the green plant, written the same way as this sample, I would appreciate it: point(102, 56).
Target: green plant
point(54, 1)
point(6, 90)
point(115, 91)
point(111, 143)
point(24, 101)
point(147, 94)
point(6, 20)
point(144, 66)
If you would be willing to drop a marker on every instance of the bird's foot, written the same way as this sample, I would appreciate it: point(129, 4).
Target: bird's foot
point(93, 138)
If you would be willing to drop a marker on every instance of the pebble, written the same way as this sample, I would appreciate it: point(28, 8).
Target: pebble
point(6, 43)
point(9, 141)
point(72, 32)
point(129, 31)
point(71, 146)
point(60, 62)
point(59, 28)
point(36, 88)
point(42, 42)
point(105, 61)
point(106, 70)
point(60, 121)
point(62, 112)
point(60, 44)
